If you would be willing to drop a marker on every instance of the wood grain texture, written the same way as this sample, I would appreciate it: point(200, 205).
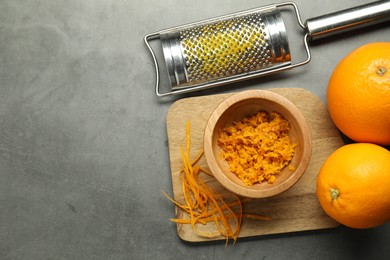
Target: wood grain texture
point(297, 209)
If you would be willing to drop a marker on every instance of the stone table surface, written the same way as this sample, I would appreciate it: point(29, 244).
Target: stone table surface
point(83, 139)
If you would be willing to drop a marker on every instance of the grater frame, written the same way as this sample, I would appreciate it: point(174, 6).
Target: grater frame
point(234, 78)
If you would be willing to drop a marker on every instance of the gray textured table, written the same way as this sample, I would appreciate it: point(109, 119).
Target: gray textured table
point(83, 142)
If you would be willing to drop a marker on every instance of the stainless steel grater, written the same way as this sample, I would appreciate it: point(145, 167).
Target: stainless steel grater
point(246, 44)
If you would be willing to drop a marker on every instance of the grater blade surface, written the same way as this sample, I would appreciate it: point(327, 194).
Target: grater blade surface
point(226, 48)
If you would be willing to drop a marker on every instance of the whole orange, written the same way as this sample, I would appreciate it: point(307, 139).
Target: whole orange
point(353, 185)
point(358, 94)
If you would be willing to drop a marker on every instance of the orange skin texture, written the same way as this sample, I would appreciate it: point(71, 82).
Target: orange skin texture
point(358, 94)
point(360, 173)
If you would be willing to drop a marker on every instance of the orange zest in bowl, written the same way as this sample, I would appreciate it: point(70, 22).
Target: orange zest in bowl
point(257, 148)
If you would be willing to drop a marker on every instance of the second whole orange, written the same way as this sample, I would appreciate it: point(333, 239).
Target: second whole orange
point(358, 94)
point(353, 185)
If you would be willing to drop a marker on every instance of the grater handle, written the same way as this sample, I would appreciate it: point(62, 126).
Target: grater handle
point(348, 19)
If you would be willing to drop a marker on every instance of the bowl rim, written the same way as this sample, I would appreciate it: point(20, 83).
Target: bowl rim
point(224, 180)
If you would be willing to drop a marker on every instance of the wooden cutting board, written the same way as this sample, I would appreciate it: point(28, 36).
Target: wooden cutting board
point(294, 210)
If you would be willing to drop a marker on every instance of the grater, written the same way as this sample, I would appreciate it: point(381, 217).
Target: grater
point(246, 44)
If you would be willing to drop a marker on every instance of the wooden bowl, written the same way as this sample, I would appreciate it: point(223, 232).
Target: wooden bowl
point(248, 103)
